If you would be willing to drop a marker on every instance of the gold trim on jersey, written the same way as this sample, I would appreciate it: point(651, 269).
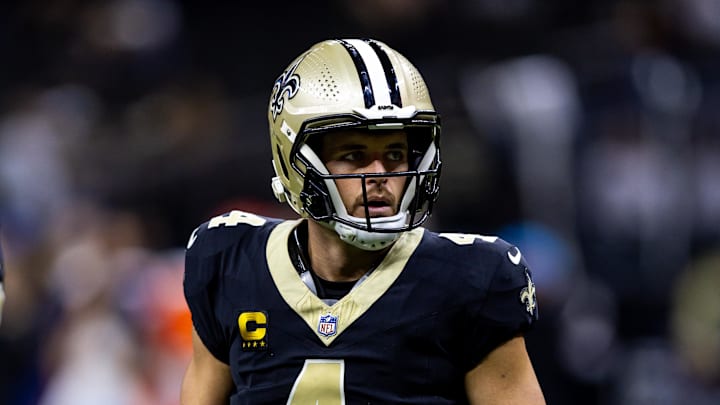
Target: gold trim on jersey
point(348, 309)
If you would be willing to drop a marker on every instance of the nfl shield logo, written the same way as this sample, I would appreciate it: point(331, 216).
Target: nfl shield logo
point(328, 325)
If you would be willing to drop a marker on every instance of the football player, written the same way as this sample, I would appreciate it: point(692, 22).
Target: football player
point(355, 302)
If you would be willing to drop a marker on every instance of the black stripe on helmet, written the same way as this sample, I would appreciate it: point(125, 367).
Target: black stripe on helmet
point(362, 74)
point(389, 70)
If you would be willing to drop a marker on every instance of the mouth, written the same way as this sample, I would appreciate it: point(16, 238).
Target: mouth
point(378, 207)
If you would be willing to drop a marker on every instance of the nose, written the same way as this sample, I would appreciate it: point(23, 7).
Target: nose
point(376, 166)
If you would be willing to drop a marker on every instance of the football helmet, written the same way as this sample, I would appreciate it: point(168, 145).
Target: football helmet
point(352, 84)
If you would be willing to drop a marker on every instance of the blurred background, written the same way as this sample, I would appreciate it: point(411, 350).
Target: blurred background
point(584, 132)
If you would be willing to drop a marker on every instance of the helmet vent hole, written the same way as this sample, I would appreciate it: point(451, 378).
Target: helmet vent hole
point(418, 85)
point(416, 82)
point(322, 84)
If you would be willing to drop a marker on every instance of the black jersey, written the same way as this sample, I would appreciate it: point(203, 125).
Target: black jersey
point(430, 312)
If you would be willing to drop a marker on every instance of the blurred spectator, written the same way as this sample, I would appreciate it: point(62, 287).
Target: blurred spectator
point(531, 110)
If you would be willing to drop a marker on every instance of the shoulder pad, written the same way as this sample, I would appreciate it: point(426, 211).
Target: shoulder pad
point(224, 230)
point(486, 246)
point(492, 263)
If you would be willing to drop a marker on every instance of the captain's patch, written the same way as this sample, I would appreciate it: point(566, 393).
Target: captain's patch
point(253, 330)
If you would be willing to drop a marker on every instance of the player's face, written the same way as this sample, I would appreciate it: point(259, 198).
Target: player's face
point(357, 152)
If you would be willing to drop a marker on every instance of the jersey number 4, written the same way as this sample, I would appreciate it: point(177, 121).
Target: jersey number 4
point(467, 238)
point(233, 218)
point(320, 382)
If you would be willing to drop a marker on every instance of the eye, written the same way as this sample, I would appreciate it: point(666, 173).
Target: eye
point(352, 156)
point(396, 155)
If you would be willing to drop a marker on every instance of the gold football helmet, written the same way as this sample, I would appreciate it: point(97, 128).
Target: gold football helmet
point(359, 84)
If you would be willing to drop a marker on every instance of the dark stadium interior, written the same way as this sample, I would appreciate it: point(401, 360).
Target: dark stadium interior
point(586, 133)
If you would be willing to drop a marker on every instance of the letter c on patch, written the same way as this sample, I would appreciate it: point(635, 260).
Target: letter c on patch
point(252, 325)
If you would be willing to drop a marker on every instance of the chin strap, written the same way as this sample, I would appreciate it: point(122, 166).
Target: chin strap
point(366, 240)
point(363, 239)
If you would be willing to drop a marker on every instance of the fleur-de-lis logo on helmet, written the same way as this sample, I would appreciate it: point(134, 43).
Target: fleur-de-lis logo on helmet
point(288, 83)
